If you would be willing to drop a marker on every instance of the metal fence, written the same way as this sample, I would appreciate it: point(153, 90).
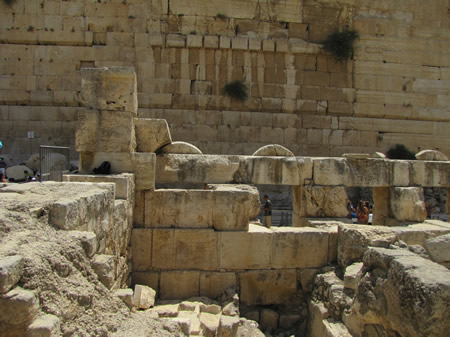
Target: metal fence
point(54, 162)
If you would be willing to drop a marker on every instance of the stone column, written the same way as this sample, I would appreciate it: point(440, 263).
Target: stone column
point(381, 197)
point(298, 206)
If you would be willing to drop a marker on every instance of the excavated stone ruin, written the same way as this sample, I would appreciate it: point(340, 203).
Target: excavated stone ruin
point(112, 255)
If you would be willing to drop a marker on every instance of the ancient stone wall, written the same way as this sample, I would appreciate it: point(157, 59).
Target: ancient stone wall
point(396, 90)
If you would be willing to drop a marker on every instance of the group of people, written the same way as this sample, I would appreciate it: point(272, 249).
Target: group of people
point(361, 213)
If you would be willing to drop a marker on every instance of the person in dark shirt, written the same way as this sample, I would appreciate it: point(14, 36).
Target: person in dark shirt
point(267, 208)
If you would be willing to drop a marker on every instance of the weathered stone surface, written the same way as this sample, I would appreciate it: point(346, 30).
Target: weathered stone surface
point(269, 319)
point(19, 172)
point(144, 297)
point(354, 240)
point(185, 249)
point(86, 130)
point(431, 155)
point(88, 241)
point(112, 89)
point(209, 324)
point(105, 268)
point(179, 284)
point(11, 269)
point(407, 204)
point(325, 201)
point(264, 287)
point(439, 248)
point(430, 173)
point(306, 277)
point(141, 164)
point(289, 321)
point(18, 307)
point(221, 207)
point(401, 280)
point(299, 247)
point(116, 132)
point(151, 134)
point(126, 295)
point(246, 250)
point(167, 310)
point(141, 245)
point(45, 326)
point(179, 148)
point(273, 150)
point(213, 284)
point(356, 155)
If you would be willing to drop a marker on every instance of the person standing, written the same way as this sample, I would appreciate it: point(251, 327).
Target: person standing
point(267, 208)
point(362, 213)
point(2, 169)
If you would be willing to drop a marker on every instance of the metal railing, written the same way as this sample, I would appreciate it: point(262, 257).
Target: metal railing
point(54, 162)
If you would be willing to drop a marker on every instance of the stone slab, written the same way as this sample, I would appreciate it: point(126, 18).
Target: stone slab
point(151, 134)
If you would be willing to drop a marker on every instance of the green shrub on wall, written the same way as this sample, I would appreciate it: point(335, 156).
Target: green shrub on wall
point(236, 90)
point(400, 151)
point(340, 44)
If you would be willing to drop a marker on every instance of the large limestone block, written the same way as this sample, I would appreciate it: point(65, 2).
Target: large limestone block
point(352, 172)
point(196, 168)
point(228, 326)
point(273, 150)
point(325, 201)
point(412, 293)
point(144, 297)
point(439, 248)
point(213, 284)
point(45, 326)
point(209, 324)
point(113, 88)
point(18, 307)
point(116, 132)
point(184, 249)
point(124, 182)
point(141, 164)
point(431, 155)
point(141, 247)
point(179, 284)
point(11, 270)
point(220, 207)
point(430, 173)
point(417, 234)
point(88, 211)
point(407, 204)
point(299, 247)
point(179, 148)
point(86, 130)
point(265, 287)
point(246, 250)
point(354, 240)
point(353, 274)
point(151, 134)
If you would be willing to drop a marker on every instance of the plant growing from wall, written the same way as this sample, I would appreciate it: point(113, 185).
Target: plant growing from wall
point(400, 151)
point(340, 44)
point(236, 90)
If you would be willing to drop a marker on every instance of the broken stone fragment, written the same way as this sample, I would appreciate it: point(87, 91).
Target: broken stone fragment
point(180, 148)
point(209, 324)
point(439, 248)
point(431, 155)
point(144, 297)
point(45, 326)
point(11, 269)
point(352, 275)
point(126, 295)
point(18, 306)
point(104, 266)
point(231, 309)
point(88, 241)
point(228, 326)
point(151, 134)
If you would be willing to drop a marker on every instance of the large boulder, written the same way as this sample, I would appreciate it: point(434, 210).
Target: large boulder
point(404, 294)
point(439, 248)
point(407, 204)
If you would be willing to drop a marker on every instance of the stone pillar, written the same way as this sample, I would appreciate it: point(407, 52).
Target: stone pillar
point(381, 196)
point(107, 123)
point(298, 206)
